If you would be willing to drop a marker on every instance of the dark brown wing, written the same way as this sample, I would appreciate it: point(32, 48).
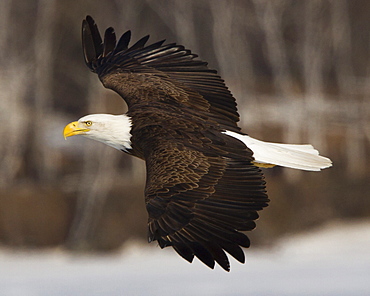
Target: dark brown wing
point(157, 73)
point(202, 188)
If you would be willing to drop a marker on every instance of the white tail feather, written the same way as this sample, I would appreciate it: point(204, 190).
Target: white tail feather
point(303, 157)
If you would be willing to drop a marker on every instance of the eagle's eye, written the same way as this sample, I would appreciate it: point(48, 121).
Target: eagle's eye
point(88, 123)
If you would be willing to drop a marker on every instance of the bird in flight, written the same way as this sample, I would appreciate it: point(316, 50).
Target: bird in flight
point(204, 184)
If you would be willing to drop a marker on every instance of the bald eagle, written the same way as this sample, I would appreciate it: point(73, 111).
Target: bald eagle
point(204, 183)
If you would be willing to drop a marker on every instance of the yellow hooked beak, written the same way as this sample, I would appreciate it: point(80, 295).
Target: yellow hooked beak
point(73, 129)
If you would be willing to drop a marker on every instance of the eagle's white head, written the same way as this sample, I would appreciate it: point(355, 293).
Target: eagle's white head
point(113, 130)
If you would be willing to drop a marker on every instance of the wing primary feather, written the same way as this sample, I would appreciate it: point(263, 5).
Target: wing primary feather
point(95, 35)
point(219, 256)
point(214, 250)
point(184, 251)
point(199, 248)
point(203, 254)
point(234, 250)
point(154, 46)
point(123, 42)
point(91, 42)
point(139, 44)
point(109, 41)
point(88, 45)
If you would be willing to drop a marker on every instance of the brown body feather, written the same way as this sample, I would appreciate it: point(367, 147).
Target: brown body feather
point(202, 188)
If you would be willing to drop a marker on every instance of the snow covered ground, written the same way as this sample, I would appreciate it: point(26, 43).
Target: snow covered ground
point(334, 260)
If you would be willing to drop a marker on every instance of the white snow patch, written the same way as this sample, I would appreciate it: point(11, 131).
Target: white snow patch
point(334, 260)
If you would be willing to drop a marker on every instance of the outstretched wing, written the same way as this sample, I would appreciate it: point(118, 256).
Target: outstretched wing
point(201, 190)
point(157, 73)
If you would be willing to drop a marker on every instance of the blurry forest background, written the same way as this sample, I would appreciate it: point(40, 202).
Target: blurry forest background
point(300, 71)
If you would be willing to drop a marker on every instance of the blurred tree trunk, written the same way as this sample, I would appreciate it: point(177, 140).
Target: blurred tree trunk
point(14, 85)
point(270, 17)
point(44, 67)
